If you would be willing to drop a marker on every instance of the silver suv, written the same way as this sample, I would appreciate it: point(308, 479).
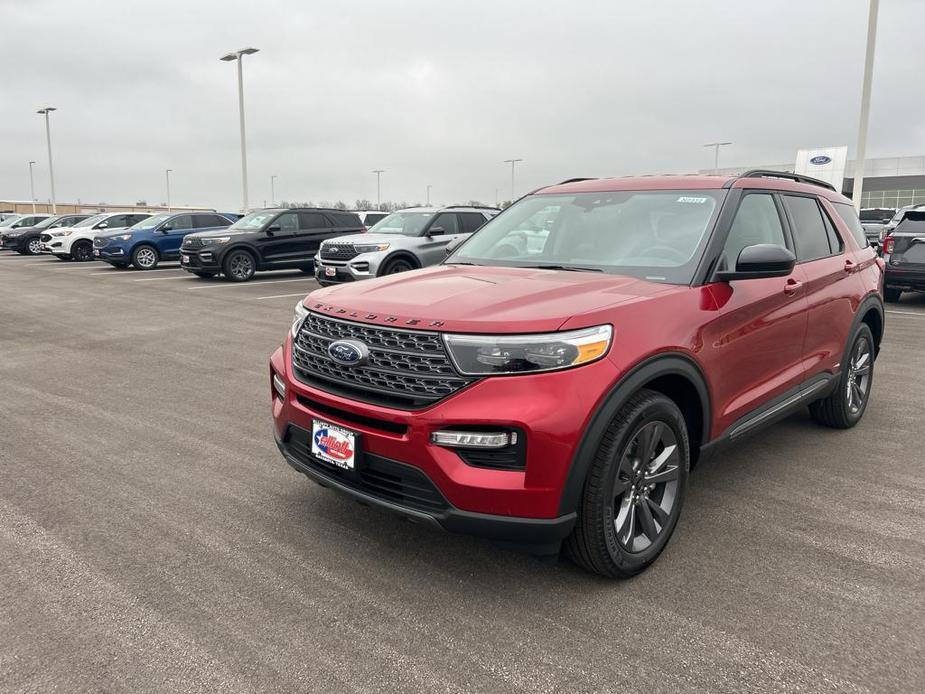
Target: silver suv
point(405, 240)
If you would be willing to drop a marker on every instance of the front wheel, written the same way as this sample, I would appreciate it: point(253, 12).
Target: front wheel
point(33, 247)
point(397, 265)
point(634, 490)
point(82, 251)
point(239, 266)
point(145, 258)
point(845, 406)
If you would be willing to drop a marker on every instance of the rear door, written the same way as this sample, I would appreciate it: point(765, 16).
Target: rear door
point(831, 288)
point(169, 237)
point(315, 227)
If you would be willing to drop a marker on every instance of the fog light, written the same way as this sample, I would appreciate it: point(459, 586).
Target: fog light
point(474, 439)
point(206, 256)
point(279, 387)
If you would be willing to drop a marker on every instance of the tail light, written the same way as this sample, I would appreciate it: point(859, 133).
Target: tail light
point(888, 243)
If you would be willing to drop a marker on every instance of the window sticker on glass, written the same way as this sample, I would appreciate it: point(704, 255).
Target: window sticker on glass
point(687, 198)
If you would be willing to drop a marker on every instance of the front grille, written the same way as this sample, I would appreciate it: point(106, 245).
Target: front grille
point(338, 251)
point(100, 243)
point(190, 242)
point(45, 238)
point(379, 477)
point(406, 369)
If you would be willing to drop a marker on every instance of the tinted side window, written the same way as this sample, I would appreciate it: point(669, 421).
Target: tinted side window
point(850, 218)
point(835, 242)
point(345, 219)
point(756, 221)
point(312, 220)
point(374, 218)
point(446, 220)
point(184, 221)
point(120, 220)
point(471, 221)
point(809, 232)
point(204, 221)
point(288, 221)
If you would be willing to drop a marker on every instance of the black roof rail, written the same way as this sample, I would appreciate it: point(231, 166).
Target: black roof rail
point(473, 207)
point(799, 178)
point(576, 180)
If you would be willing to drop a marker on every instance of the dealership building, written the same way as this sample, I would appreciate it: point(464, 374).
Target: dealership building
point(26, 207)
point(888, 182)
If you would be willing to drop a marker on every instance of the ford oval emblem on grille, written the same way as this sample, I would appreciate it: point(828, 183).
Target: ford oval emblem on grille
point(820, 160)
point(348, 352)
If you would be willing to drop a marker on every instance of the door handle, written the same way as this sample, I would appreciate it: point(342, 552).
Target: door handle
point(850, 266)
point(792, 287)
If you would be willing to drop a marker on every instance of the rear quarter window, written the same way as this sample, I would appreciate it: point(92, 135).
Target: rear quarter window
point(850, 217)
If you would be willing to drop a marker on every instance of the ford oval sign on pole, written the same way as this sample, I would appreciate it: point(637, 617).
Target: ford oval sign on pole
point(825, 163)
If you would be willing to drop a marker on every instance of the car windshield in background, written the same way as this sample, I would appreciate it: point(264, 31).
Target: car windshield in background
point(47, 222)
point(405, 223)
point(653, 235)
point(90, 221)
point(255, 220)
point(152, 222)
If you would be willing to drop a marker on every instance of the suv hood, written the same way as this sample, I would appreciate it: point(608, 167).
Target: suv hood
point(366, 238)
point(481, 299)
point(219, 233)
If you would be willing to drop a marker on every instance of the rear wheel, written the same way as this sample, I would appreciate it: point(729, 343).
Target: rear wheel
point(239, 266)
point(82, 251)
point(845, 406)
point(635, 488)
point(145, 258)
point(892, 295)
point(33, 246)
point(397, 265)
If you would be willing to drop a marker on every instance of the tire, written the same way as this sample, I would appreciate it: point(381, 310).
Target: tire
point(82, 251)
point(145, 257)
point(395, 266)
point(204, 275)
point(847, 403)
point(892, 295)
point(32, 247)
point(621, 491)
point(239, 266)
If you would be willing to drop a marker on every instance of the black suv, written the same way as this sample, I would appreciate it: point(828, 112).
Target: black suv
point(904, 255)
point(265, 240)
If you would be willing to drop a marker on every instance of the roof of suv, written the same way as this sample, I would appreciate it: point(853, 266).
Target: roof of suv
point(305, 209)
point(454, 208)
point(773, 180)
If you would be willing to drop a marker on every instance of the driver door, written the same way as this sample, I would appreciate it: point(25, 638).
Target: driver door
point(171, 233)
point(441, 232)
point(755, 343)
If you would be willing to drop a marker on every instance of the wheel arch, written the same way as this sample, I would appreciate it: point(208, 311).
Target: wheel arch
point(241, 246)
point(400, 254)
point(872, 313)
point(676, 376)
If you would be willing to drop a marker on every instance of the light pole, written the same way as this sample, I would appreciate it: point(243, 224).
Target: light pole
point(865, 104)
point(512, 162)
point(273, 190)
point(167, 171)
point(239, 56)
point(428, 194)
point(378, 173)
point(32, 186)
point(716, 146)
point(51, 169)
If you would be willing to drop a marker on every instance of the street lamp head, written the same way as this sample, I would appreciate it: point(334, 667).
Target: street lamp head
point(235, 55)
point(47, 109)
point(31, 162)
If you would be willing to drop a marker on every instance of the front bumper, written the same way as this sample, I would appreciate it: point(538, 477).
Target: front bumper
point(550, 409)
point(11, 243)
point(112, 252)
point(362, 267)
point(200, 260)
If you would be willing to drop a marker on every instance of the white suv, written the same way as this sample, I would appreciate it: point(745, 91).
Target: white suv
point(76, 242)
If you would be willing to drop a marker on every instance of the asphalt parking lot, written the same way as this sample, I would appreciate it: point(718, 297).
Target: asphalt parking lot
point(152, 539)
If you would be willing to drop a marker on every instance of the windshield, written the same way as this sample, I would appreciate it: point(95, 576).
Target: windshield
point(47, 222)
point(9, 220)
point(255, 220)
point(153, 221)
point(653, 235)
point(406, 223)
point(90, 221)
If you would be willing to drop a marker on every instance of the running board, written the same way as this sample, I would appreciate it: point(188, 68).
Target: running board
point(758, 419)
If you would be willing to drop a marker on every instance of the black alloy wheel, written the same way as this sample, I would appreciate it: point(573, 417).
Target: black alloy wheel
point(239, 266)
point(845, 406)
point(396, 266)
point(82, 251)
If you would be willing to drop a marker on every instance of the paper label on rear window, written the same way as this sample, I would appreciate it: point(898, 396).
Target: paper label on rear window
point(690, 199)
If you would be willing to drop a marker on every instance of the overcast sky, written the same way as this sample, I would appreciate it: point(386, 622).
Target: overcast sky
point(436, 92)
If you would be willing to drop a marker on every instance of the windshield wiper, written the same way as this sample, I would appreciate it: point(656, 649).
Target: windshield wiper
point(567, 268)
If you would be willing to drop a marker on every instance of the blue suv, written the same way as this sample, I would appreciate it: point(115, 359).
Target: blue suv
point(154, 239)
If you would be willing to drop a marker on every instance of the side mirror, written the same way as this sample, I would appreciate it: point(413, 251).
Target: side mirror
point(760, 261)
point(102, 225)
point(273, 228)
point(451, 247)
point(436, 231)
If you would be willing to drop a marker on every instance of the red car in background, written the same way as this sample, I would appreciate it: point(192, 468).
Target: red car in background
point(558, 392)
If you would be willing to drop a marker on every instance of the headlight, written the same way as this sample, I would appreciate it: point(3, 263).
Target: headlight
point(64, 232)
point(124, 237)
point(370, 247)
point(484, 355)
point(215, 239)
point(300, 314)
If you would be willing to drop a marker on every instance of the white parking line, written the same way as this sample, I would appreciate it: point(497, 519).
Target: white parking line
point(184, 276)
point(134, 273)
point(909, 313)
point(226, 285)
point(278, 296)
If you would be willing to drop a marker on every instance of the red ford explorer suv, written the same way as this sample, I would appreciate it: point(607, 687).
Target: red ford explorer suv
point(554, 380)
